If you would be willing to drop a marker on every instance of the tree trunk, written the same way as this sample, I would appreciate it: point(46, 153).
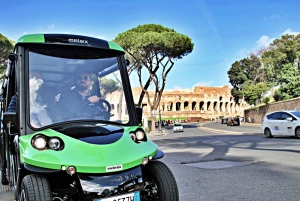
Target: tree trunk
point(153, 128)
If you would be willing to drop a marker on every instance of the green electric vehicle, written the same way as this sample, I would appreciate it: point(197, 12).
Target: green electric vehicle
point(57, 143)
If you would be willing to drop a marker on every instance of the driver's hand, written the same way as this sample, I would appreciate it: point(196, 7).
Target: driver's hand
point(93, 99)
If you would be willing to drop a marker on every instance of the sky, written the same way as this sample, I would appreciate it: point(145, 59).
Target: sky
point(223, 31)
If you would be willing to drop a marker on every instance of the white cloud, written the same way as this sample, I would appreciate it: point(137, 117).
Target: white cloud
point(290, 32)
point(203, 83)
point(177, 87)
point(263, 42)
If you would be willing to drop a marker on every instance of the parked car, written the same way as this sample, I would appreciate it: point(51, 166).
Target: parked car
point(285, 123)
point(224, 120)
point(177, 127)
point(233, 121)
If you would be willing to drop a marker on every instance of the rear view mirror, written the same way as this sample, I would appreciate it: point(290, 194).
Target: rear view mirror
point(139, 114)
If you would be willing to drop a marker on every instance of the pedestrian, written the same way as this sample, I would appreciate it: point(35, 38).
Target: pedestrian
point(249, 120)
point(252, 119)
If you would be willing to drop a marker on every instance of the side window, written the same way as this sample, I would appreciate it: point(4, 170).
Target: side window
point(269, 116)
point(284, 116)
point(276, 116)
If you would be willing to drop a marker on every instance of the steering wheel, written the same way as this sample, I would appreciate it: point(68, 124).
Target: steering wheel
point(95, 111)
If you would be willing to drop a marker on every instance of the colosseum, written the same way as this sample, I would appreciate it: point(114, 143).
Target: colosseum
point(195, 104)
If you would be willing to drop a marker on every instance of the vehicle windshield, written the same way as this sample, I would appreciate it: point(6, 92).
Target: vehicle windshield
point(177, 124)
point(82, 85)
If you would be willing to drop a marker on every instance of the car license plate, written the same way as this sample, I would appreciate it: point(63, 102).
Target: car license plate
point(135, 196)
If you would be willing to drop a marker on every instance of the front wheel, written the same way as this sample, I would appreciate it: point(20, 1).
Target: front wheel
point(297, 132)
point(35, 188)
point(268, 133)
point(160, 183)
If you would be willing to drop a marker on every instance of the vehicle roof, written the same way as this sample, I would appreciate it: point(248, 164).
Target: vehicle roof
point(68, 39)
point(284, 111)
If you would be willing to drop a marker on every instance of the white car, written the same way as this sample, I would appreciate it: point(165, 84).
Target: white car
point(177, 127)
point(284, 123)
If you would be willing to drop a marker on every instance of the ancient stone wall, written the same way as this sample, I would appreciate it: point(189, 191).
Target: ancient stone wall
point(198, 103)
point(259, 112)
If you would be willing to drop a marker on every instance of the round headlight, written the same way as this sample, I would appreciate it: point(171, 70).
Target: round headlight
point(140, 135)
point(71, 170)
point(54, 143)
point(39, 142)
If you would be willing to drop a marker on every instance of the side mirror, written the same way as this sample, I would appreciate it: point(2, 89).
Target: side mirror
point(139, 114)
point(289, 119)
point(10, 122)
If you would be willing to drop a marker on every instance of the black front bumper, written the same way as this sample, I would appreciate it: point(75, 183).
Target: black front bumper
point(112, 183)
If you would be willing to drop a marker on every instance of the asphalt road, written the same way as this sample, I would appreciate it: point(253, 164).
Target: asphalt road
point(230, 165)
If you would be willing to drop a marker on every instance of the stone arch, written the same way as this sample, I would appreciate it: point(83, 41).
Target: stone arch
point(226, 107)
point(186, 105)
point(201, 104)
point(215, 105)
point(194, 105)
point(209, 105)
point(178, 105)
point(220, 107)
point(162, 106)
point(170, 106)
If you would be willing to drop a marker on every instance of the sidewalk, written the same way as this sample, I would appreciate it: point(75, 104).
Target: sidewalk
point(157, 133)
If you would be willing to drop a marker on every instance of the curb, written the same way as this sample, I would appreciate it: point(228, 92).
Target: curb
point(157, 133)
point(227, 132)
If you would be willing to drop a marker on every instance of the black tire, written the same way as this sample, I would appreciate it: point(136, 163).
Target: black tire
point(160, 183)
point(297, 132)
point(268, 133)
point(35, 187)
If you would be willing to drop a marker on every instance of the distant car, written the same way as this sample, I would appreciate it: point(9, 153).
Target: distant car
point(233, 122)
point(224, 120)
point(177, 127)
point(284, 123)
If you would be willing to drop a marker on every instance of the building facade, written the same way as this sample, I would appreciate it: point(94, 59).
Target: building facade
point(194, 104)
point(199, 103)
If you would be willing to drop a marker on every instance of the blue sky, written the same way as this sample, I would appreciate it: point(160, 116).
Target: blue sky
point(222, 31)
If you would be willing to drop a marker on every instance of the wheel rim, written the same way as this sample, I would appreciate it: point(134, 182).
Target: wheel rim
point(268, 132)
point(150, 191)
point(298, 132)
point(22, 196)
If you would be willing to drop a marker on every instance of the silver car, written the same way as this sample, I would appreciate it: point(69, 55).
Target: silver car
point(284, 123)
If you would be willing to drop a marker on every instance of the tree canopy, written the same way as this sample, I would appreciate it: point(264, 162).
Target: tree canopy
point(278, 67)
point(154, 48)
point(282, 67)
point(6, 47)
point(245, 76)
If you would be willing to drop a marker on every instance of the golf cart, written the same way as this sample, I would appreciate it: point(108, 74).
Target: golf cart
point(54, 150)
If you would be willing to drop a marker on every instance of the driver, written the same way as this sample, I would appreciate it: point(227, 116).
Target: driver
point(72, 100)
